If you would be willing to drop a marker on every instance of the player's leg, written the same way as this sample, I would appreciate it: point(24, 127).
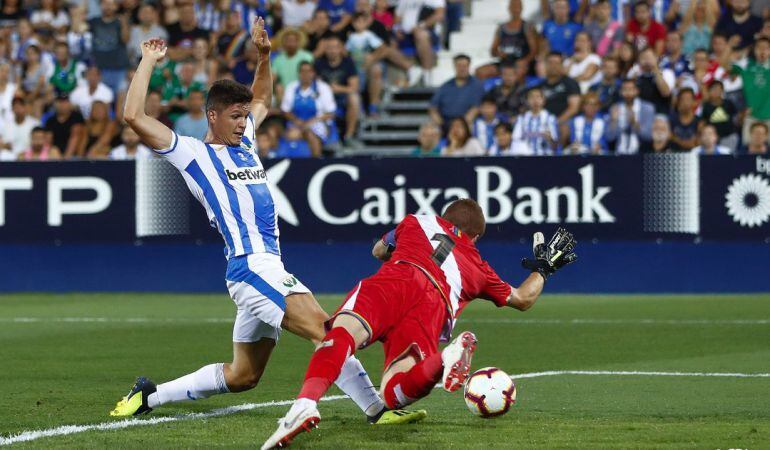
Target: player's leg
point(346, 335)
point(305, 318)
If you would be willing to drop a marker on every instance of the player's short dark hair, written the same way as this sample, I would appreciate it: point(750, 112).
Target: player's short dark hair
point(466, 215)
point(224, 93)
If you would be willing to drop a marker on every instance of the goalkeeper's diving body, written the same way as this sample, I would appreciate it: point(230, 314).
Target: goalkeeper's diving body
point(432, 270)
point(225, 174)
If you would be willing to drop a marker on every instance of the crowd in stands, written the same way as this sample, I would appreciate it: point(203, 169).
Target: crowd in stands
point(613, 77)
point(65, 66)
point(589, 77)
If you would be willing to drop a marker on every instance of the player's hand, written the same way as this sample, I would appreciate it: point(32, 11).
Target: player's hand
point(154, 49)
point(259, 36)
point(548, 259)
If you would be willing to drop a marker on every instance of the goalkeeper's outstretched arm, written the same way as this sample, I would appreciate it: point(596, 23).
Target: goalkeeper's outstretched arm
point(559, 252)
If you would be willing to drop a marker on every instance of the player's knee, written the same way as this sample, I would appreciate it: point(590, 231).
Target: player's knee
point(244, 381)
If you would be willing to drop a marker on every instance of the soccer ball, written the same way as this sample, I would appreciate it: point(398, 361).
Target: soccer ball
point(490, 392)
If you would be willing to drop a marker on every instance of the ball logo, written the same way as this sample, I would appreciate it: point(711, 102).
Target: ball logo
point(748, 200)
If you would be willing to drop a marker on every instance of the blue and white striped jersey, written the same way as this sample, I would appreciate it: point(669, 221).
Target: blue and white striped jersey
point(231, 184)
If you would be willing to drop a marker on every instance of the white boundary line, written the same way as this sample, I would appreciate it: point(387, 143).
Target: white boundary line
point(589, 321)
point(64, 430)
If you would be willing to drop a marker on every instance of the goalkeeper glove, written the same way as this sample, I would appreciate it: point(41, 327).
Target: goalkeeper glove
point(548, 259)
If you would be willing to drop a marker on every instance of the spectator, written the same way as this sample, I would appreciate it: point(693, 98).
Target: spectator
point(665, 12)
point(231, 39)
point(11, 13)
point(15, 133)
point(661, 135)
point(757, 142)
point(674, 59)
point(340, 12)
point(40, 149)
point(147, 28)
point(183, 33)
point(460, 142)
point(756, 88)
point(720, 113)
point(458, 97)
point(630, 125)
point(366, 48)
point(562, 93)
point(293, 146)
point(339, 71)
point(79, 38)
point(109, 53)
point(295, 13)
point(385, 52)
point(177, 89)
point(154, 108)
point(606, 33)
point(415, 28)
point(318, 31)
point(514, 40)
point(67, 72)
point(100, 133)
point(245, 68)
point(291, 52)
point(22, 37)
point(208, 14)
point(536, 131)
point(49, 17)
point(428, 140)
point(608, 88)
point(559, 33)
point(739, 25)
point(503, 145)
point(583, 65)
point(709, 144)
point(761, 8)
point(205, 67)
point(643, 31)
point(8, 91)
point(66, 126)
point(266, 144)
point(587, 129)
point(90, 91)
point(193, 123)
point(308, 104)
point(655, 84)
point(485, 123)
point(247, 12)
point(627, 57)
point(383, 14)
point(33, 79)
point(131, 148)
point(684, 123)
point(698, 24)
point(509, 94)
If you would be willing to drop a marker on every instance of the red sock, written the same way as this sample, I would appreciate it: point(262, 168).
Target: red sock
point(326, 363)
point(408, 387)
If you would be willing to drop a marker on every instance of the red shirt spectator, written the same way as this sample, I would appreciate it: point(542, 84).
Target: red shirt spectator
point(644, 32)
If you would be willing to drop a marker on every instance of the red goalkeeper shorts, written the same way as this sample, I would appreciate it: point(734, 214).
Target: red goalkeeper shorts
point(400, 307)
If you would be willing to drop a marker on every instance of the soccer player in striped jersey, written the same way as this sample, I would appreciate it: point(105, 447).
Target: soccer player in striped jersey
point(432, 270)
point(225, 174)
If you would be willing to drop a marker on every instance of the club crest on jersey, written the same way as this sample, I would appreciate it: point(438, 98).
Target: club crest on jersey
point(290, 281)
point(246, 175)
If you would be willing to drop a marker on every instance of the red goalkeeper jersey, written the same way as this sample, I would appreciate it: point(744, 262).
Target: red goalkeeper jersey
point(449, 258)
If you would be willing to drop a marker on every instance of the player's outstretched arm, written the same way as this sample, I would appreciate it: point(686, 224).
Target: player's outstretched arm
point(559, 252)
point(152, 132)
point(262, 87)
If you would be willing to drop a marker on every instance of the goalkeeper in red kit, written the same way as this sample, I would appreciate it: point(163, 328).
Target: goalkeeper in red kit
point(432, 270)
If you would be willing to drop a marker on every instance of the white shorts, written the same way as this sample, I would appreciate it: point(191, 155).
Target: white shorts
point(258, 284)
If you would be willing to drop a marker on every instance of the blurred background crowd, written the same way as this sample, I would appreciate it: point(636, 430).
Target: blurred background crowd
point(577, 77)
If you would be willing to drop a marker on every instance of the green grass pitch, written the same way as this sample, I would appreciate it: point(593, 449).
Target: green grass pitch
point(66, 359)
